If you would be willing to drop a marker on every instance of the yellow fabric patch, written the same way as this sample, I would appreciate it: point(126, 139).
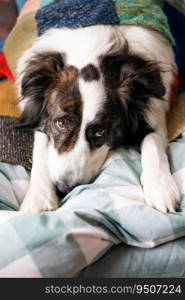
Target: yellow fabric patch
point(176, 118)
point(8, 100)
point(20, 39)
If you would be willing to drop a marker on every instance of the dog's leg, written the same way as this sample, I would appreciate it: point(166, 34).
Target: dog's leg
point(41, 195)
point(160, 189)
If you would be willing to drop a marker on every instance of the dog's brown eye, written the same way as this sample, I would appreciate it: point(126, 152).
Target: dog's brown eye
point(61, 125)
point(100, 132)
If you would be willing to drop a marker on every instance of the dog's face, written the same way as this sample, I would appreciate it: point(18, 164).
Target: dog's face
point(85, 112)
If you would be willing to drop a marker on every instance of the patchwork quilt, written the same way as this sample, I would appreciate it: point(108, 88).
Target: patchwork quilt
point(103, 229)
point(37, 16)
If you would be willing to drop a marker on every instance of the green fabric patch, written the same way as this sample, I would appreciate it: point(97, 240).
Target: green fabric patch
point(144, 13)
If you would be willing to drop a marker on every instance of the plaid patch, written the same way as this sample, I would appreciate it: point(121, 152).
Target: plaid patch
point(108, 216)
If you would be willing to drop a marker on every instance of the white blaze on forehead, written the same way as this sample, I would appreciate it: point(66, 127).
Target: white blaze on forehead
point(82, 45)
point(93, 99)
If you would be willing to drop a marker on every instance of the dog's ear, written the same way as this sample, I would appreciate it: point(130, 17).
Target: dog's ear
point(132, 75)
point(140, 78)
point(39, 74)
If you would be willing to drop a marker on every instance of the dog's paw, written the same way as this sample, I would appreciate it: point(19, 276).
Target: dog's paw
point(38, 200)
point(161, 191)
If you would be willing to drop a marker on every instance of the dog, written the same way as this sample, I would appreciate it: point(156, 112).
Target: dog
point(87, 90)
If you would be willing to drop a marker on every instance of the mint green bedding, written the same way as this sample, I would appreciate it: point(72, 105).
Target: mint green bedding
point(103, 229)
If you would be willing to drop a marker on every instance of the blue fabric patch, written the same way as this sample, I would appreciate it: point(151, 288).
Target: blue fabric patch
point(76, 13)
point(177, 25)
point(20, 4)
point(1, 45)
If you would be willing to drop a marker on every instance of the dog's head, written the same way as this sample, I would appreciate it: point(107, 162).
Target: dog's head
point(86, 111)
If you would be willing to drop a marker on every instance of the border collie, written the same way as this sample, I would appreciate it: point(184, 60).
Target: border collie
point(88, 90)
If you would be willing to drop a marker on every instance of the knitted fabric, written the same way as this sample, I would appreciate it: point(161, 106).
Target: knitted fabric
point(15, 144)
point(82, 13)
point(38, 16)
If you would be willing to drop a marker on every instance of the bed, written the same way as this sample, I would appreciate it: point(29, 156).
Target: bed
point(103, 229)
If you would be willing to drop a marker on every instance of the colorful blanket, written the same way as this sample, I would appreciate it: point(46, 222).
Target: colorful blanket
point(103, 229)
point(38, 16)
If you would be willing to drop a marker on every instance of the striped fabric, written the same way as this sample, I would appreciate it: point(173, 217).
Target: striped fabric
point(103, 229)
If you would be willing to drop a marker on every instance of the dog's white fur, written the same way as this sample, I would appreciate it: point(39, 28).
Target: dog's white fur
point(84, 46)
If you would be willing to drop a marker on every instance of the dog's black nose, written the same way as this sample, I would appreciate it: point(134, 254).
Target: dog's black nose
point(63, 188)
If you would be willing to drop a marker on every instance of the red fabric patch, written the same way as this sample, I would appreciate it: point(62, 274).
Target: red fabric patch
point(181, 81)
point(174, 89)
point(4, 69)
point(178, 82)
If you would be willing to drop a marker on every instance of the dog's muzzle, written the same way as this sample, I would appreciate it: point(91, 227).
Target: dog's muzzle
point(63, 188)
